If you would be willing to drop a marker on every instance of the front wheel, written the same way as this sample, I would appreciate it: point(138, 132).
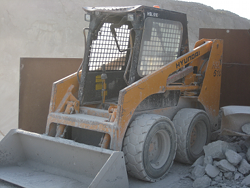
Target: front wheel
point(149, 147)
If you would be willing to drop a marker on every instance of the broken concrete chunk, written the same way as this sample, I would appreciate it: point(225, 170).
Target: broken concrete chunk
point(199, 161)
point(233, 157)
point(238, 176)
point(215, 163)
point(225, 166)
point(202, 182)
point(208, 160)
point(246, 128)
point(235, 147)
point(216, 149)
point(228, 175)
point(243, 155)
point(248, 155)
point(246, 181)
point(198, 171)
point(218, 179)
point(244, 146)
point(246, 142)
point(212, 171)
point(232, 146)
point(221, 174)
point(244, 167)
point(214, 183)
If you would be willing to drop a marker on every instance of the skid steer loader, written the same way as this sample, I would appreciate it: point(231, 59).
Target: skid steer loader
point(138, 92)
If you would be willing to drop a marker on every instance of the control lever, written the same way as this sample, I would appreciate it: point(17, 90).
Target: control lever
point(103, 77)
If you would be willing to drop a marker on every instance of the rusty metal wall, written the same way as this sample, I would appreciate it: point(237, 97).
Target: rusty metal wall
point(36, 78)
point(235, 83)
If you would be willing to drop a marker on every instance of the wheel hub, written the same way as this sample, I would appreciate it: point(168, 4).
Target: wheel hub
point(198, 138)
point(158, 150)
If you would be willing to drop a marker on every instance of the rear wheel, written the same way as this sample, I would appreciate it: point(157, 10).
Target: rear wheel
point(149, 147)
point(193, 132)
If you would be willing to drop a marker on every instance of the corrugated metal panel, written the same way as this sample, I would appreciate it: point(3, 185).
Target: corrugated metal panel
point(36, 78)
point(235, 83)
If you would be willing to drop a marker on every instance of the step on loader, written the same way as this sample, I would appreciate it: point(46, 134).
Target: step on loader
point(139, 99)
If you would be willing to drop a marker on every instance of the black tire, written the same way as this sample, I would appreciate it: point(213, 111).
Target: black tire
point(193, 132)
point(149, 147)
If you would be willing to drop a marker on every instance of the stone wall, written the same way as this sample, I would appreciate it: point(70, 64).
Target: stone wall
point(35, 28)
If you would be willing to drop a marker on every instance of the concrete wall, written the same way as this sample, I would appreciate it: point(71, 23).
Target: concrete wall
point(45, 28)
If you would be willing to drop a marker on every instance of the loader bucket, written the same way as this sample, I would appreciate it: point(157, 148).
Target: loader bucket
point(233, 118)
point(33, 160)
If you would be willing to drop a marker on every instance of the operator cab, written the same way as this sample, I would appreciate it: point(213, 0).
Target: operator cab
point(125, 44)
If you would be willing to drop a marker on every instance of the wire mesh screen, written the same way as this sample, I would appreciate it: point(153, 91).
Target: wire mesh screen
point(160, 44)
point(104, 49)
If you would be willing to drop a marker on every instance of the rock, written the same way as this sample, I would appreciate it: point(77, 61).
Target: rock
point(222, 185)
point(198, 171)
point(199, 161)
point(248, 155)
point(233, 157)
point(202, 182)
point(225, 166)
point(244, 167)
point(213, 183)
point(212, 171)
point(246, 181)
point(247, 142)
point(208, 160)
point(215, 163)
point(246, 128)
point(238, 176)
point(243, 146)
point(232, 146)
point(243, 155)
point(228, 175)
point(218, 179)
point(236, 146)
point(216, 149)
point(225, 186)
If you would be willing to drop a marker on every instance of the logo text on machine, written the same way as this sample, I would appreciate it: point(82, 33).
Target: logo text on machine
point(187, 59)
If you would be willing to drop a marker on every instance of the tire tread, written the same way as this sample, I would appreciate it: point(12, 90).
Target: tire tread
point(181, 121)
point(139, 129)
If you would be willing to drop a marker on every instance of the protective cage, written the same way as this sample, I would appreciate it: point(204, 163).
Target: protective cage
point(161, 42)
point(104, 50)
point(150, 32)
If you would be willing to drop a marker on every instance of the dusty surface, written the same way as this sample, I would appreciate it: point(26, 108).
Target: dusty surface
point(54, 29)
point(176, 178)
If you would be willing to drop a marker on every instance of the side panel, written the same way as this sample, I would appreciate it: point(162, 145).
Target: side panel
point(36, 78)
point(235, 80)
point(210, 91)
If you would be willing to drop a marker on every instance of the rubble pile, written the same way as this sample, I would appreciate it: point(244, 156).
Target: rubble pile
point(225, 164)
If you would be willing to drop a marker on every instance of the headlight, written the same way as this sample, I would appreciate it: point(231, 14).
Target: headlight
point(130, 17)
point(87, 17)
